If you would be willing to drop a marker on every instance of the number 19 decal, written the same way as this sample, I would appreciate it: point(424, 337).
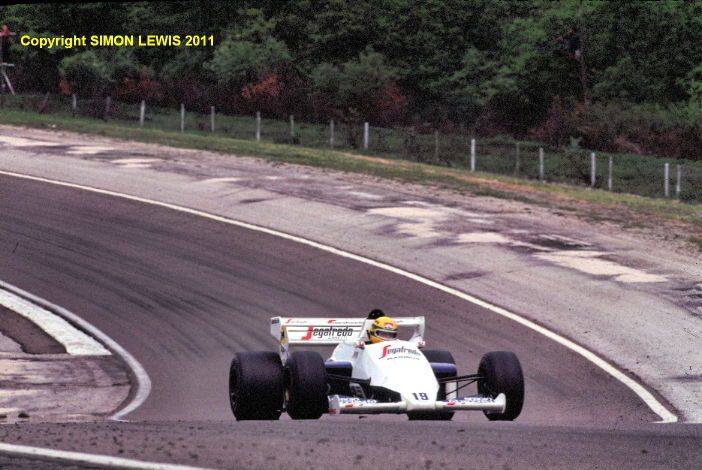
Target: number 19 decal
point(420, 396)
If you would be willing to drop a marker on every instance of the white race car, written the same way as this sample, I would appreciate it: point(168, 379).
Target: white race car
point(387, 377)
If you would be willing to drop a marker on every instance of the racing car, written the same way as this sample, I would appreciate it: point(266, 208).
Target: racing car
point(361, 377)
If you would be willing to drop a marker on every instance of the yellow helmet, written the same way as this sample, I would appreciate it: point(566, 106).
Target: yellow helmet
point(382, 329)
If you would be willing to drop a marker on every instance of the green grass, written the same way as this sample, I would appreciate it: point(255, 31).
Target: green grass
point(560, 196)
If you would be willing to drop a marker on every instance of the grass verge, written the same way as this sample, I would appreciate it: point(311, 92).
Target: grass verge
point(625, 209)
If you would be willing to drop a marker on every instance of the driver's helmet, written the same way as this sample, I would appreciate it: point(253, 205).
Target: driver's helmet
point(382, 329)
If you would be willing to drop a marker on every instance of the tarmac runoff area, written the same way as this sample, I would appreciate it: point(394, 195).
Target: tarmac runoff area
point(208, 284)
point(631, 305)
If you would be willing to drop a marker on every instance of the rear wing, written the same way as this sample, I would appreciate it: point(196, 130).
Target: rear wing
point(290, 331)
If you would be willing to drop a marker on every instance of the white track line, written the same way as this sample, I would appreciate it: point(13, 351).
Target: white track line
point(71, 338)
point(656, 406)
point(143, 385)
point(93, 459)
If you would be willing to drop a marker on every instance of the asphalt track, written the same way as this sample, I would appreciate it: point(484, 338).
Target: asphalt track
point(182, 293)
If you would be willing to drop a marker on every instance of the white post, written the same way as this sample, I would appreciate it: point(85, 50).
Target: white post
point(74, 104)
point(472, 154)
point(678, 181)
point(593, 169)
point(142, 113)
point(182, 117)
point(331, 133)
point(666, 179)
point(609, 174)
point(541, 164)
point(292, 126)
point(516, 163)
point(258, 126)
point(436, 145)
point(366, 135)
point(108, 105)
point(212, 118)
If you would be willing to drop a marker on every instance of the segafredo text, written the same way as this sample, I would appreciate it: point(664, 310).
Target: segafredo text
point(392, 350)
point(327, 332)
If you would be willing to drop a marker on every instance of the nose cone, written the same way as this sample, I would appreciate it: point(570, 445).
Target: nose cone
point(399, 366)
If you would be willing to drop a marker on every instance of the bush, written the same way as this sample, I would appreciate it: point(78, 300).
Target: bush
point(360, 89)
point(674, 131)
point(85, 74)
point(559, 126)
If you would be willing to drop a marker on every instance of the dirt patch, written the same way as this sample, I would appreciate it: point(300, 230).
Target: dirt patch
point(547, 203)
point(60, 387)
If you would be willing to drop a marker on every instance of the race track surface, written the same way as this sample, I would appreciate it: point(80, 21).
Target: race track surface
point(182, 293)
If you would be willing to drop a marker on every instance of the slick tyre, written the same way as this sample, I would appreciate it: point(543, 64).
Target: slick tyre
point(439, 356)
point(307, 385)
point(501, 372)
point(256, 386)
point(446, 358)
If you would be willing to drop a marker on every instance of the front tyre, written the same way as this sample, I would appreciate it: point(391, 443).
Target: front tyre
point(501, 372)
point(307, 385)
point(256, 386)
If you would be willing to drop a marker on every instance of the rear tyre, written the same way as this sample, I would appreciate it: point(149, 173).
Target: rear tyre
point(502, 373)
point(439, 356)
point(307, 385)
point(256, 386)
point(446, 358)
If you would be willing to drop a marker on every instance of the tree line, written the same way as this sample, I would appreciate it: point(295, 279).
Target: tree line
point(619, 75)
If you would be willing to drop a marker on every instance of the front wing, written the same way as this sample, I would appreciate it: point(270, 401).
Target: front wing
point(349, 405)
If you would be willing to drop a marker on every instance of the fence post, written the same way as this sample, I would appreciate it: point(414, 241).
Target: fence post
point(666, 179)
point(292, 126)
point(541, 164)
point(74, 104)
point(258, 126)
point(212, 118)
point(44, 103)
point(142, 113)
point(331, 133)
point(182, 117)
point(593, 169)
point(609, 174)
point(678, 181)
point(108, 105)
point(366, 135)
point(472, 154)
point(516, 163)
point(436, 144)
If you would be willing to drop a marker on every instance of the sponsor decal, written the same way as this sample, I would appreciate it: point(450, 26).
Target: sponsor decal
point(322, 332)
point(468, 400)
point(355, 400)
point(391, 350)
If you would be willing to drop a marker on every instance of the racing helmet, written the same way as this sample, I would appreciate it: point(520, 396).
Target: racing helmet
point(375, 313)
point(382, 329)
